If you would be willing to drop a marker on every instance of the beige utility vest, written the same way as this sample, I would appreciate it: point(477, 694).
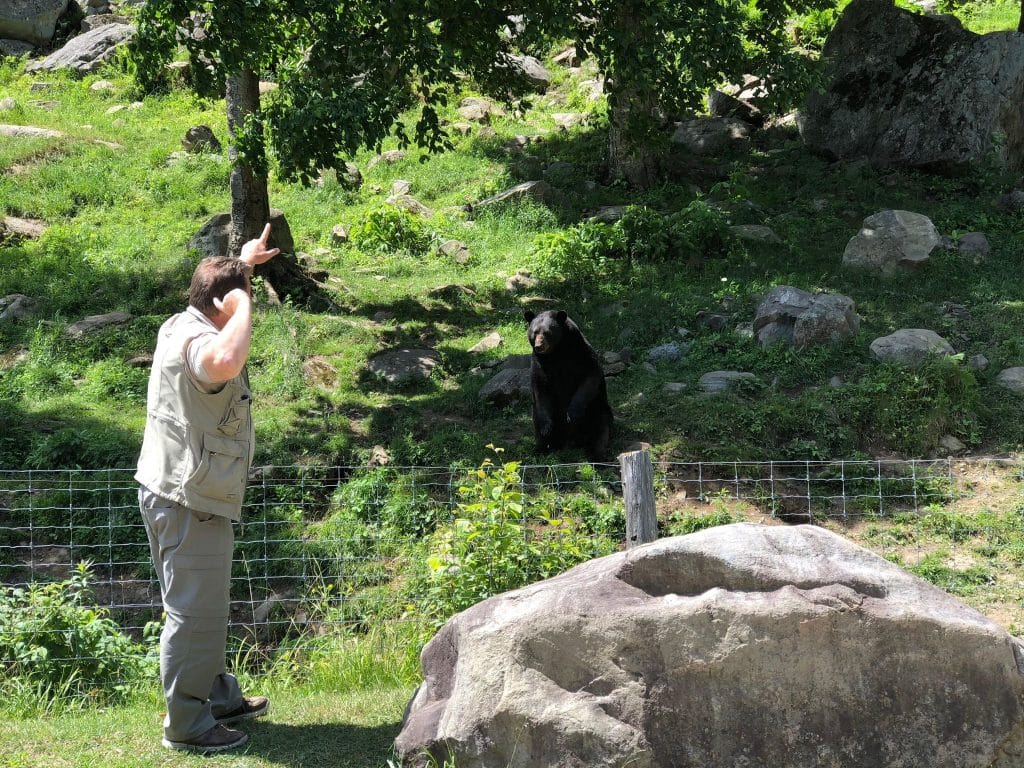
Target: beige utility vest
point(198, 447)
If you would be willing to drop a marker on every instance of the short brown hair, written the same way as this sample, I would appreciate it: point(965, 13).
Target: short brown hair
point(215, 277)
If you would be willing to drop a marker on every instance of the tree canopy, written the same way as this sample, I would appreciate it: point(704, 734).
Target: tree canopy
point(346, 71)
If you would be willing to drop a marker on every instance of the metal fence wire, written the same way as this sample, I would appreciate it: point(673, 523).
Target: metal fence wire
point(328, 538)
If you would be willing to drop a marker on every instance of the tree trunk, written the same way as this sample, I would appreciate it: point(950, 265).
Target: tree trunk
point(630, 154)
point(250, 203)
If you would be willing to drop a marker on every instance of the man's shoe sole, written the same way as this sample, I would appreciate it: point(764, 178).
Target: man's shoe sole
point(246, 716)
point(184, 746)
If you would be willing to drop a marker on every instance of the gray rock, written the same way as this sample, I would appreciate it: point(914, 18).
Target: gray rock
point(410, 204)
point(456, 250)
point(609, 214)
point(29, 132)
point(94, 323)
point(911, 90)
point(891, 240)
point(390, 157)
point(86, 52)
point(477, 110)
point(400, 366)
point(351, 177)
point(755, 233)
point(320, 372)
point(30, 229)
point(516, 362)
point(529, 168)
point(716, 382)
point(738, 645)
point(794, 317)
point(567, 120)
point(673, 388)
point(401, 187)
point(200, 138)
point(1012, 379)
point(508, 385)
point(212, 239)
point(536, 190)
point(532, 70)
point(16, 48)
point(567, 58)
point(708, 135)
point(33, 21)
point(339, 234)
point(667, 353)
point(721, 104)
point(560, 173)
point(521, 282)
point(974, 245)
point(102, 19)
point(977, 362)
point(1012, 201)
point(951, 445)
point(910, 347)
point(711, 321)
point(8, 104)
point(16, 306)
point(487, 343)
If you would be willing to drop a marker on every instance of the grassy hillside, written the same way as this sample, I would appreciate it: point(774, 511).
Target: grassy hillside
point(120, 204)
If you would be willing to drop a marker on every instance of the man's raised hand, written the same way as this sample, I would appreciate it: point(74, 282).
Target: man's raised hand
point(256, 252)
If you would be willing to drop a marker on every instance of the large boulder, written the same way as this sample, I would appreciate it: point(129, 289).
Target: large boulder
point(33, 21)
point(913, 90)
point(212, 239)
point(910, 347)
point(741, 645)
point(86, 52)
point(890, 241)
point(800, 319)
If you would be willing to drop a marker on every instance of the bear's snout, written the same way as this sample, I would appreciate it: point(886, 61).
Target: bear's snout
point(541, 344)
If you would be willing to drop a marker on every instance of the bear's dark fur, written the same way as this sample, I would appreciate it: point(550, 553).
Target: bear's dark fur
point(570, 399)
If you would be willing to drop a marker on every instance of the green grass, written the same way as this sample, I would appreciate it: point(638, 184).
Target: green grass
point(306, 727)
point(119, 219)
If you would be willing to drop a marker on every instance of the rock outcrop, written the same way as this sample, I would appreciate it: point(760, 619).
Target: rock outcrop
point(737, 645)
point(908, 89)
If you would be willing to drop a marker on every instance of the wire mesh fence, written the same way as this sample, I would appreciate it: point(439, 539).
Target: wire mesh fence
point(320, 549)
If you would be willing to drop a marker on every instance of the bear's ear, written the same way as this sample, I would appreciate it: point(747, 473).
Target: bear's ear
point(561, 316)
point(529, 316)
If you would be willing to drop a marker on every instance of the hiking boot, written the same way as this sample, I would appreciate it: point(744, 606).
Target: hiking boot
point(217, 739)
point(252, 706)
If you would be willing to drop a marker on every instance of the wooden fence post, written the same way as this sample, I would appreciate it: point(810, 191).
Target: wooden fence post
point(638, 495)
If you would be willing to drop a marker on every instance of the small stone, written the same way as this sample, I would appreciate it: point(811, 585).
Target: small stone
point(673, 388)
point(339, 233)
point(401, 187)
point(952, 445)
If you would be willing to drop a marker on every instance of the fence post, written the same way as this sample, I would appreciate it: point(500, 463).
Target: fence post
point(638, 495)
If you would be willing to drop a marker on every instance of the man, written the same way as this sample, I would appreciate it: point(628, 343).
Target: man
point(192, 470)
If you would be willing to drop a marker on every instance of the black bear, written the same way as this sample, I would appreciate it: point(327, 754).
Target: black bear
point(570, 399)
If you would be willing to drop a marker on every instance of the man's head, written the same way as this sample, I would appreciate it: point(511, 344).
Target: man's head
point(214, 278)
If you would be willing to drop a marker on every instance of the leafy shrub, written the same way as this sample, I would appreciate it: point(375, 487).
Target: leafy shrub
point(588, 253)
point(500, 540)
point(592, 250)
point(115, 378)
point(51, 639)
point(389, 230)
point(912, 410)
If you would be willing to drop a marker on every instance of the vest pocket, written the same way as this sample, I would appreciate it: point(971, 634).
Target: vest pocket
point(223, 468)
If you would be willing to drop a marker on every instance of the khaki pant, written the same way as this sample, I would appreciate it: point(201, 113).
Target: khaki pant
point(192, 553)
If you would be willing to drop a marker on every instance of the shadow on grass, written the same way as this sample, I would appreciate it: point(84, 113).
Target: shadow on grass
point(339, 745)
